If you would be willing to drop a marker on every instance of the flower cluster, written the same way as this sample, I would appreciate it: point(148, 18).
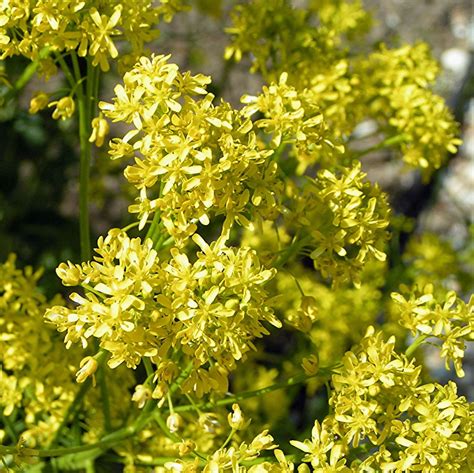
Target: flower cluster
point(450, 320)
point(283, 38)
point(332, 319)
point(390, 86)
point(344, 221)
point(44, 390)
point(36, 371)
point(293, 117)
point(429, 258)
point(207, 158)
point(383, 416)
point(398, 95)
point(231, 459)
point(140, 307)
point(78, 25)
point(248, 219)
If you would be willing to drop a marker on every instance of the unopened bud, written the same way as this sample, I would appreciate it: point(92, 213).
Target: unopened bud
point(88, 367)
point(310, 365)
point(64, 108)
point(100, 129)
point(38, 102)
point(186, 447)
point(309, 307)
point(174, 422)
point(141, 395)
point(236, 418)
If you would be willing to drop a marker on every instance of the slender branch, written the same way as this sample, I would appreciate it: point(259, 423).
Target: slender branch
point(413, 347)
point(293, 381)
point(76, 403)
point(147, 416)
point(294, 248)
point(9, 427)
point(73, 407)
point(27, 74)
point(148, 367)
point(73, 83)
point(387, 143)
point(104, 395)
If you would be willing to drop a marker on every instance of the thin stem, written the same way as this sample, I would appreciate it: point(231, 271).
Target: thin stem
point(413, 347)
point(85, 156)
point(179, 380)
point(387, 143)
point(9, 428)
point(104, 394)
point(71, 410)
point(193, 404)
point(148, 367)
point(294, 248)
point(295, 380)
point(27, 73)
point(67, 72)
point(154, 224)
point(146, 416)
point(76, 403)
point(228, 439)
point(132, 225)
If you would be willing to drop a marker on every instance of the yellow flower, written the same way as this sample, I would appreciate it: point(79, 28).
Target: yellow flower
point(99, 32)
point(38, 102)
point(88, 367)
point(236, 419)
point(100, 129)
point(64, 108)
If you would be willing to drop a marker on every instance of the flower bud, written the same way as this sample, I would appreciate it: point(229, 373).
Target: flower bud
point(64, 108)
point(69, 273)
point(141, 395)
point(174, 422)
point(88, 367)
point(186, 447)
point(160, 390)
point(100, 129)
point(309, 307)
point(310, 365)
point(236, 418)
point(38, 102)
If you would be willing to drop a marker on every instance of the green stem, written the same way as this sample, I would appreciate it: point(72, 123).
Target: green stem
point(132, 225)
point(85, 161)
point(9, 428)
point(76, 403)
point(153, 227)
point(387, 143)
point(148, 367)
point(179, 380)
point(67, 73)
point(104, 394)
point(27, 74)
point(73, 407)
point(293, 381)
point(413, 347)
point(293, 249)
point(228, 439)
point(86, 104)
point(146, 416)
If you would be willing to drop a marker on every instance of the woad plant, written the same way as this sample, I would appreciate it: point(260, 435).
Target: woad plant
point(257, 312)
